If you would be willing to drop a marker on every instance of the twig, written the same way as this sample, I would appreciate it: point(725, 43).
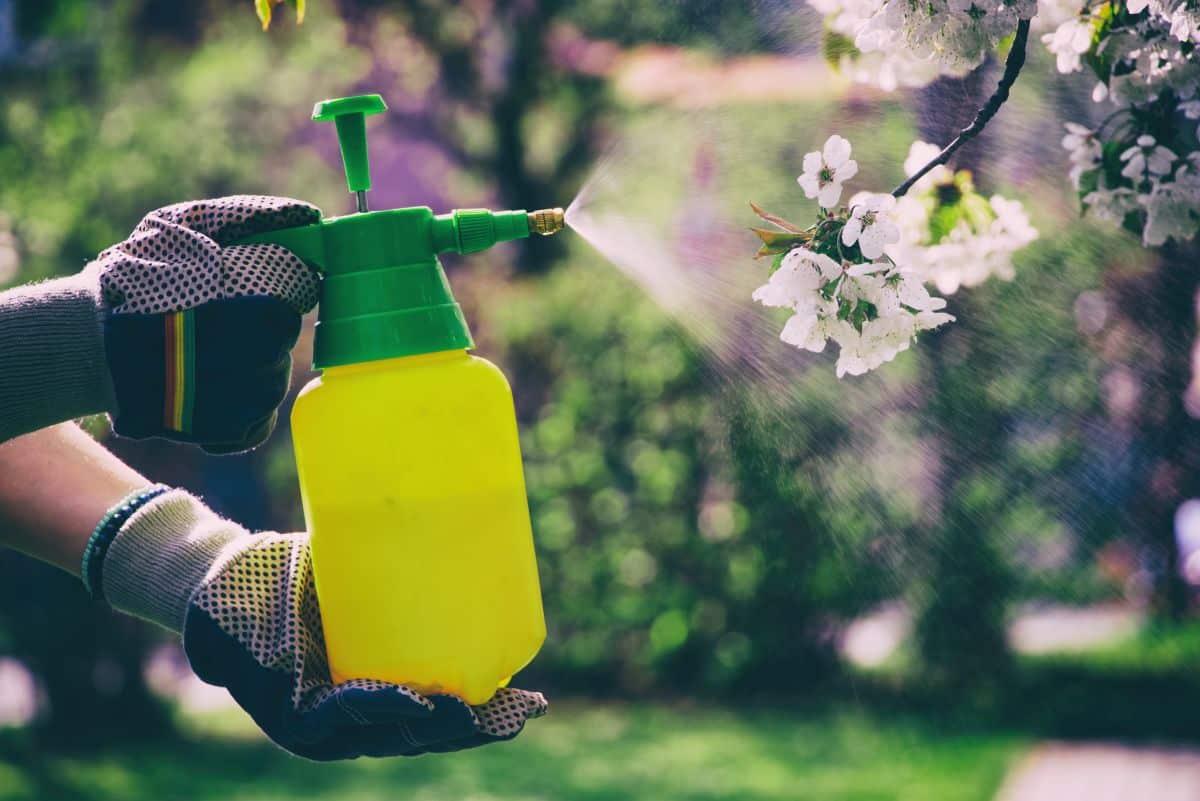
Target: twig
point(1012, 68)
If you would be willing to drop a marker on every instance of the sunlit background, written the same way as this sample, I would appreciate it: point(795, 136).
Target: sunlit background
point(970, 574)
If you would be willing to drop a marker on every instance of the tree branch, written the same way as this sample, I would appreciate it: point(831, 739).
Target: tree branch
point(1012, 68)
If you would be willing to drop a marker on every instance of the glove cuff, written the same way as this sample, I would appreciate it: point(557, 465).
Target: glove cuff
point(162, 554)
point(52, 355)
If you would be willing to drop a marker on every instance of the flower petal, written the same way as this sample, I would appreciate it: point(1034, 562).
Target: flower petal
point(836, 151)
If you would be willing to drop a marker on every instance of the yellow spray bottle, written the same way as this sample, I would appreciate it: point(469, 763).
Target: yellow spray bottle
point(406, 448)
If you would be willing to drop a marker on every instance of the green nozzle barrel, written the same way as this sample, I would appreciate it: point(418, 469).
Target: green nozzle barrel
point(472, 230)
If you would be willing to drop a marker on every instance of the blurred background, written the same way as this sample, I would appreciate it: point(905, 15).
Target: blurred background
point(970, 574)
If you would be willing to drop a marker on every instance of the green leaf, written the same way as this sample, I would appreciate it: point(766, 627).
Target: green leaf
point(1101, 62)
point(834, 46)
point(1133, 223)
point(777, 241)
point(977, 211)
point(943, 220)
point(1110, 158)
point(263, 7)
point(1088, 183)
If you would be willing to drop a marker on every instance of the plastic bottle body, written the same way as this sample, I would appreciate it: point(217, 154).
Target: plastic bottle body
point(414, 496)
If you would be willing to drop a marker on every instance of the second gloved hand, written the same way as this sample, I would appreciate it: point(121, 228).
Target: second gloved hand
point(248, 611)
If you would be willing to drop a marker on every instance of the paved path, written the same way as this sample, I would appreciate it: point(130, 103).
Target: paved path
point(871, 639)
point(1104, 772)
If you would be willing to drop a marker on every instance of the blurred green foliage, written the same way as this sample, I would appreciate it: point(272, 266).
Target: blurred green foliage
point(679, 545)
point(93, 140)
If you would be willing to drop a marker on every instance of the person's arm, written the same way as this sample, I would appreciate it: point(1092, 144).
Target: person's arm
point(55, 485)
point(52, 364)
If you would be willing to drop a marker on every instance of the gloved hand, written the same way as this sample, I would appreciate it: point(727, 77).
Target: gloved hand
point(199, 332)
point(248, 611)
point(174, 331)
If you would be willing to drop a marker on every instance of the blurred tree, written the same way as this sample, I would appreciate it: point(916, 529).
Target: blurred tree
point(494, 87)
point(963, 582)
point(727, 26)
point(1157, 365)
point(516, 91)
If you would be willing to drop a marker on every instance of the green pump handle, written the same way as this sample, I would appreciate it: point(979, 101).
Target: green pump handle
point(349, 116)
point(384, 293)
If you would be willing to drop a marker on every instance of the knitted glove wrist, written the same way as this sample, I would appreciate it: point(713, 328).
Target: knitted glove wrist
point(247, 607)
point(162, 555)
point(52, 355)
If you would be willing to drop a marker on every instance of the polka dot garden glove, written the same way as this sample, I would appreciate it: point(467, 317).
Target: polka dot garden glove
point(198, 332)
point(175, 332)
point(247, 608)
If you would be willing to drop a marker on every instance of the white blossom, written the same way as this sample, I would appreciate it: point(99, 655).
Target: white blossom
point(1191, 110)
point(869, 226)
point(981, 245)
point(826, 170)
point(800, 276)
point(1111, 205)
point(1147, 159)
point(955, 34)
point(1084, 148)
point(919, 154)
point(1185, 23)
point(812, 328)
point(1172, 209)
point(1052, 13)
point(885, 69)
point(1068, 43)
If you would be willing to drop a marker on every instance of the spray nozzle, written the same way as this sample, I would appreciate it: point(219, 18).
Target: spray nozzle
point(546, 221)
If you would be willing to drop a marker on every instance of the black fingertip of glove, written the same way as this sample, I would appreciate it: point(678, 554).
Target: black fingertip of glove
point(451, 723)
point(218, 659)
point(382, 703)
point(234, 398)
point(244, 332)
point(351, 706)
point(244, 408)
point(258, 433)
point(452, 719)
point(265, 695)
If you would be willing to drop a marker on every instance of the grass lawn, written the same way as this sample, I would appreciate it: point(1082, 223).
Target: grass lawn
point(585, 752)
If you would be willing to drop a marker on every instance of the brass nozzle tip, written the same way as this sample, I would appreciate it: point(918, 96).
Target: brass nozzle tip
point(546, 221)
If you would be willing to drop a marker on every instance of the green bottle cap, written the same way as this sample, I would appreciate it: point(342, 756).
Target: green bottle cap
point(349, 115)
